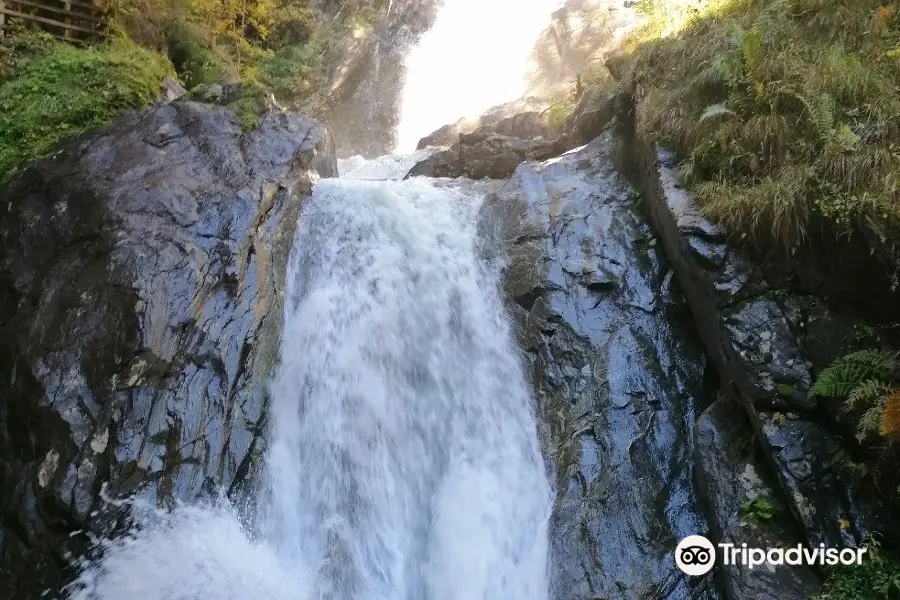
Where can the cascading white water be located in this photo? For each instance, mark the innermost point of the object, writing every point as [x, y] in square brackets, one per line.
[403, 462]
[476, 56]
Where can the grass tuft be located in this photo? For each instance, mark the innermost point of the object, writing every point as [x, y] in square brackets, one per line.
[780, 110]
[55, 91]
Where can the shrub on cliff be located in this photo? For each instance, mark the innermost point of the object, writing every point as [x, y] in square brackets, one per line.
[54, 91]
[277, 48]
[878, 578]
[784, 112]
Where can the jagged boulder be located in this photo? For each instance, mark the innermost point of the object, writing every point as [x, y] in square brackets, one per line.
[484, 154]
[142, 273]
[448, 135]
[590, 117]
[523, 119]
[444, 163]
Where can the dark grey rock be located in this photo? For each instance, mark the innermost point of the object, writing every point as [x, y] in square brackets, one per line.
[142, 272]
[522, 119]
[526, 126]
[590, 118]
[486, 156]
[444, 163]
[769, 354]
[730, 474]
[820, 479]
[212, 93]
[448, 135]
[172, 90]
[496, 156]
[616, 376]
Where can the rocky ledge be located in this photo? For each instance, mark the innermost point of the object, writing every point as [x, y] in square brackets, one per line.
[141, 272]
[766, 342]
[495, 148]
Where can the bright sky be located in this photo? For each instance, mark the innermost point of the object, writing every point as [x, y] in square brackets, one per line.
[475, 57]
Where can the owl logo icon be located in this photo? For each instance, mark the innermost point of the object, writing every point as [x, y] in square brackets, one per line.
[695, 555]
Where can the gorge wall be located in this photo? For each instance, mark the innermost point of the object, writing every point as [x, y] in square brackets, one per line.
[143, 276]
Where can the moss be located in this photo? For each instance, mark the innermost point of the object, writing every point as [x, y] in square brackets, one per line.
[247, 109]
[785, 390]
[64, 90]
[781, 111]
[20, 46]
[558, 113]
[291, 75]
[878, 578]
[190, 50]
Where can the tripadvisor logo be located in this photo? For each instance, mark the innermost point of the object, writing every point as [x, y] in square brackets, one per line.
[696, 555]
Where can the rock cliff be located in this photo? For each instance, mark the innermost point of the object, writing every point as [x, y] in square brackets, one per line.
[142, 271]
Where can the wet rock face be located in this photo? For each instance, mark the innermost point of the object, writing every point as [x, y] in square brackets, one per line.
[142, 271]
[590, 117]
[732, 476]
[516, 119]
[755, 335]
[492, 147]
[486, 155]
[616, 375]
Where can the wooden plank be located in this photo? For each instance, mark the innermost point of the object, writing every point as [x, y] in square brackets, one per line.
[76, 41]
[61, 11]
[27, 17]
[88, 16]
[96, 9]
[85, 5]
[69, 19]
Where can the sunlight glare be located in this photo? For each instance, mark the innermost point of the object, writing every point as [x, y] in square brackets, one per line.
[475, 57]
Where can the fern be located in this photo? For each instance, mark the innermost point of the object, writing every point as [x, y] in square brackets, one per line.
[715, 110]
[823, 114]
[751, 43]
[867, 393]
[870, 422]
[846, 373]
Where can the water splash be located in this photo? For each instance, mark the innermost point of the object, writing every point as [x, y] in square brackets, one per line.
[475, 57]
[392, 166]
[403, 462]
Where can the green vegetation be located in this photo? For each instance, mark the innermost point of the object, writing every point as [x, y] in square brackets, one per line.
[783, 112]
[270, 49]
[594, 77]
[866, 381]
[51, 91]
[878, 578]
[758, 510]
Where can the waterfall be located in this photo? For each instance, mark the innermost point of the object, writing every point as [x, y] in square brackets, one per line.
[402, 462]
[476, 56]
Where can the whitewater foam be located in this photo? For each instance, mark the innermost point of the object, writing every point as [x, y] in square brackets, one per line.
[403, 461]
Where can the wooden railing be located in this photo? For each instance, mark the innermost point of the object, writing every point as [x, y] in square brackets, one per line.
[76, 21]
